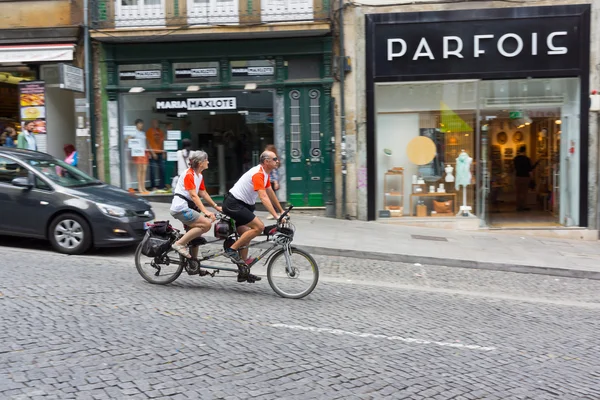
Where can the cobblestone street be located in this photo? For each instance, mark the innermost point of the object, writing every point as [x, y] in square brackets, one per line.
[89, 327]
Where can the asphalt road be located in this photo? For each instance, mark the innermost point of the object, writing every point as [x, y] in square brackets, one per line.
[89, 327]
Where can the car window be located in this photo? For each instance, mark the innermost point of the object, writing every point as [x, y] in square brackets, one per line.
[62, 173]
[10, 170]
[40, 184]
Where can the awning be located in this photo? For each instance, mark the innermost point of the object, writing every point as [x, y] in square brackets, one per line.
[36, 53]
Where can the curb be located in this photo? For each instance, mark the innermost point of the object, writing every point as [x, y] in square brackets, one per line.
[456, 263]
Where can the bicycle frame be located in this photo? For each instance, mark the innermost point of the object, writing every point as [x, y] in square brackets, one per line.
[285, 247]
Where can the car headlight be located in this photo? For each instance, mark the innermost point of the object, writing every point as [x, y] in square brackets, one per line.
[112, 211]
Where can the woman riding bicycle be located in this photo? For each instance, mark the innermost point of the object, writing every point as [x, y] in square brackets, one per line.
[187, 206]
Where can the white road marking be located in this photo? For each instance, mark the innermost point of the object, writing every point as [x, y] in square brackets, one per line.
[375, 336]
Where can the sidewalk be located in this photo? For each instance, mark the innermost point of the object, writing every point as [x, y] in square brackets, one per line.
[466, 249]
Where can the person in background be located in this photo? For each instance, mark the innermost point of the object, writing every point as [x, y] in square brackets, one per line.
[72, 157]
[183, 157]
[523, 177]
[26, 139]
[274, 175]
[3, 138]
[11, 137]
[155, 138]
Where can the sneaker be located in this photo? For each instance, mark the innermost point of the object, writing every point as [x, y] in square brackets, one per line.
[253, 278]
[234, 256]
[243, 273]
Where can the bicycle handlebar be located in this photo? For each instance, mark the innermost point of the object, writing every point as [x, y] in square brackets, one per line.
[285, 213]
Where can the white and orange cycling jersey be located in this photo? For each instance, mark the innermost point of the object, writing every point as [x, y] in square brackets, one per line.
[190, 181]
[247, 187]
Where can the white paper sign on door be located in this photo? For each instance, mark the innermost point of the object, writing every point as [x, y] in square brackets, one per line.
[170, 144]
[172, 156]
[138, 152]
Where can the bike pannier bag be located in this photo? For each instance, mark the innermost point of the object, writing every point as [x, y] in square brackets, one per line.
[154, 246]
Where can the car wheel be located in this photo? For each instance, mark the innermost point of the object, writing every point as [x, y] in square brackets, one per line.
[70, 234]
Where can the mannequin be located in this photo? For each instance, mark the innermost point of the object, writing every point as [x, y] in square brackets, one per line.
[449, 176]
[463, 178]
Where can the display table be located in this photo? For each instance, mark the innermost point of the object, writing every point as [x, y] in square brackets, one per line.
[433, 196]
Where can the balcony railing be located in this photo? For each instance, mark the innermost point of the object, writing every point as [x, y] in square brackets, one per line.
[109, 14]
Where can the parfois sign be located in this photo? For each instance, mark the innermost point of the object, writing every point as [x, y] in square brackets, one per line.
[476, 42]
[197, 104]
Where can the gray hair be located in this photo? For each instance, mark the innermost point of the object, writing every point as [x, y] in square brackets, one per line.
[197, 157]
[265, 156]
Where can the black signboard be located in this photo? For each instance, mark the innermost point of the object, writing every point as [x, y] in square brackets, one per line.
[475, 42]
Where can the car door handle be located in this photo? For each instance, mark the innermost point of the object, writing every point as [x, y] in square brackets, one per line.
[44, 203]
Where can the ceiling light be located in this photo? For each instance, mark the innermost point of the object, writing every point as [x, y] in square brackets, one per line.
[193, 88]
[558, 122]
[136, 90]
[250, 86]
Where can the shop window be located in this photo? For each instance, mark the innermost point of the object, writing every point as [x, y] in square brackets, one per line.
[198, 72]
[140, 74]
[304, 68]
[252, 70]
[422, 129]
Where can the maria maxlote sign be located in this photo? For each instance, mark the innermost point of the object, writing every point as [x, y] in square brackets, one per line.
[475, 41]
[196, 104]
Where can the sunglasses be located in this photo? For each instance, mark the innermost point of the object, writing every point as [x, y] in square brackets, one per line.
[275, 159]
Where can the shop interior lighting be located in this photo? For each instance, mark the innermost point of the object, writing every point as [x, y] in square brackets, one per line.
[250, 86]
[193, 88]
[558, 122]
[136, 90]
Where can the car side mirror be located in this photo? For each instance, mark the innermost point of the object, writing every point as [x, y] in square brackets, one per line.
[23, 182]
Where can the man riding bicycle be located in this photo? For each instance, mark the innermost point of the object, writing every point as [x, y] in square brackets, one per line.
[239, 204]
[186, 205]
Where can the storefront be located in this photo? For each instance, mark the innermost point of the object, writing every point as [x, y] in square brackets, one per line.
[230, 99]
[39, 84]
[453, 97]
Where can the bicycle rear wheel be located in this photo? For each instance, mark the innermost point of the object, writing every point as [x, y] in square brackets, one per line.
[159, 270]
[297, 281]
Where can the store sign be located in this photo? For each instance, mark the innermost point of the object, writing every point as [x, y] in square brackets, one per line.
[196, 104]
[140, 75]
[71, 78]
[195, 73]
[32, 102]
[253, 71]
[499, 40]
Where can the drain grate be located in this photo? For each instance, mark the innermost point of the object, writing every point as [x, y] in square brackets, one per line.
[433, 238]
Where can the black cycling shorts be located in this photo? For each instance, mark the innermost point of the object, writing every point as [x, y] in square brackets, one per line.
[239, 211]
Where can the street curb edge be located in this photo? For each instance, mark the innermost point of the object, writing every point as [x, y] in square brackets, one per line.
[456, 263]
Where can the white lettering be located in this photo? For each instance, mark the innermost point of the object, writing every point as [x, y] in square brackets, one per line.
[534, 44]
[552, 47]
[391, 54]
[423, 45]
[501, 45]
[477, 51]
[455, 52]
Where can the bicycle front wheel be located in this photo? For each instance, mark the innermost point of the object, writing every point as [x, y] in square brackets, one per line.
[159, 270]
[298, 279]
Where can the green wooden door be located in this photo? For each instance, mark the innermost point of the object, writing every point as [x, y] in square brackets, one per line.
[305, 166]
